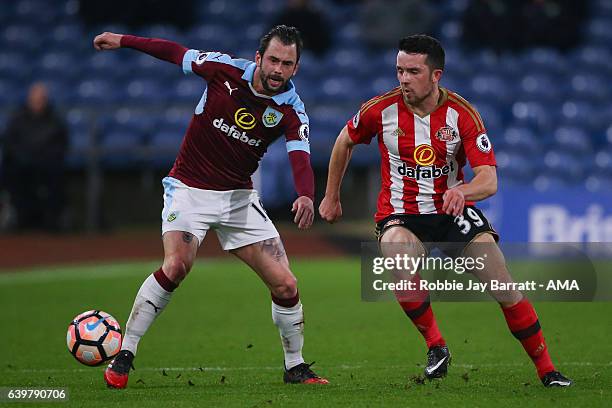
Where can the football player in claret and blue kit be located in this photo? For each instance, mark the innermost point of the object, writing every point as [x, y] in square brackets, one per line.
[244, 108]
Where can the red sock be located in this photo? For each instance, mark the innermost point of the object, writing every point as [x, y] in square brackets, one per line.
[525, 326]
[417, 307]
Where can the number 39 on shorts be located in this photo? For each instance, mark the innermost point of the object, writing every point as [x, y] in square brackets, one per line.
[465, 223]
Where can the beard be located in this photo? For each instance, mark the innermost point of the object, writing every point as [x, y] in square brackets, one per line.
[266, 85]
[415, 99]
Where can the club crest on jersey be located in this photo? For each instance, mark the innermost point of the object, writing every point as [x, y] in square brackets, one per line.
[483, 143]
[271, 117]
[446, 134]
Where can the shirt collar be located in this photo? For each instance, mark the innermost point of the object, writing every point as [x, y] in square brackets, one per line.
[281, 98]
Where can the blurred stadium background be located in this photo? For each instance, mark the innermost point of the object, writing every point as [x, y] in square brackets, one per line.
[546, 102]
[539, 71]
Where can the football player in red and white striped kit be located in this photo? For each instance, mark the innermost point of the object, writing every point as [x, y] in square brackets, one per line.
[425, 135]
[245, 107]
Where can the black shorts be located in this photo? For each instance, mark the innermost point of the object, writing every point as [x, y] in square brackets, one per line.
[442, 229]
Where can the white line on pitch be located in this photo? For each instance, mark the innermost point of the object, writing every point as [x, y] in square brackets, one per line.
[340, 367]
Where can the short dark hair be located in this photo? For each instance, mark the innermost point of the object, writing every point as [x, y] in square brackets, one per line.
[287, 35]
[424, 44]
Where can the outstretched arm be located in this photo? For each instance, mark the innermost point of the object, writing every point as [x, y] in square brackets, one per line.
[162, 49]
[330, 208]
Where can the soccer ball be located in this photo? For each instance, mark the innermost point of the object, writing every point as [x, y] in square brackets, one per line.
[94, 337]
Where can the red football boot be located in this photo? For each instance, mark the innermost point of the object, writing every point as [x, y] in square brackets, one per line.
[302, 374]
[116, 374]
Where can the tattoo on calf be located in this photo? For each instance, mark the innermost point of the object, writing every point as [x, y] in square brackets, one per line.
[274, 247]
[187, 237]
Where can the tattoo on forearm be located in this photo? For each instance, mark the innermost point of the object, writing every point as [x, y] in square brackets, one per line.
[187, 237]
[274, 247]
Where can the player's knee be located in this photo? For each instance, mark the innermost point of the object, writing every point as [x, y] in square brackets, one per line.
[397, 235]
[286, 289]
[485, 237]
[176, 268]
[410, 244]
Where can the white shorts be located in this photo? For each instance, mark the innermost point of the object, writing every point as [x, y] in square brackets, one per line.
[237, 215]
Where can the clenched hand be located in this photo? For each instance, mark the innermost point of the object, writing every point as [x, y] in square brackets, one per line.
[107, 41]
[330, 209]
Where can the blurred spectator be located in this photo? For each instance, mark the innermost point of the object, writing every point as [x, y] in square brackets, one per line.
[384, 21]
[503, 25]
[311, 22]
[34, 148]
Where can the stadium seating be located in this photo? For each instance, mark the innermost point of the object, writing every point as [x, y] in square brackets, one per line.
[603, 163]
[598, 183]
[14, 65]
[99, 92]
[164, 145]
[544, 60]
[491, 114]
[519, 140]
[61, 64]
[559, 163]
[587, 86]
[595, 58]
[22, 37]
[534, 114]
[187, 90]
[574, 140]
[122, 148]
[11, 93]
[491, 87]
[539, 105]
[538, 86]
[599, 31]
[577, 113]
[550, 182]
[514, 167]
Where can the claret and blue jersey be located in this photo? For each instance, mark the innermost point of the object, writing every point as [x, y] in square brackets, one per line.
[233, 124]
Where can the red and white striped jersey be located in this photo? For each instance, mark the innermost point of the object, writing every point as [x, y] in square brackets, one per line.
[421, 157]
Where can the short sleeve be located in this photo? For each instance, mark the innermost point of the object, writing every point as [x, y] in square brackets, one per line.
[476, 143]
[362, 127]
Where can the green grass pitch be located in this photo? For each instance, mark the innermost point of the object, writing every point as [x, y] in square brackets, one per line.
[215, 344]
